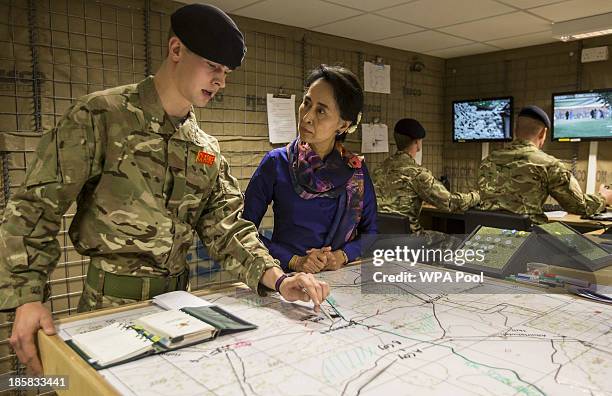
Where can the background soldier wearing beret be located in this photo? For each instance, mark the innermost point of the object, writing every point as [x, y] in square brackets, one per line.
[145, 177]
[402, 185]
[519, 178]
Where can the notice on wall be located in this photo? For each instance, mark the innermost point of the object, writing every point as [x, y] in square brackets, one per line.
[374, 138]
[377, 78]
[282, 127]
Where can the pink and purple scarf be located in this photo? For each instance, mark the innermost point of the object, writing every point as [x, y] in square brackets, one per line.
[339, 175]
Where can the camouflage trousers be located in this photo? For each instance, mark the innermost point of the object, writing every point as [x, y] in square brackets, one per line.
[91, 300]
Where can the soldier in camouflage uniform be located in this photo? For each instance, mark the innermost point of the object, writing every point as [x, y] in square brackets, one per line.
[145, 177]
[519, 178]
[402, 185]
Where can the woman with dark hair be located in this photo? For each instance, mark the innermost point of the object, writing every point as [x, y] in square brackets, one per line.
[323, 198]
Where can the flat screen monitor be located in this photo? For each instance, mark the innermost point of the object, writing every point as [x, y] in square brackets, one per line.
[582, 115]
[482, 120]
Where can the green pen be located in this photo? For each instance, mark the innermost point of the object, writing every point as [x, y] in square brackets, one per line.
[332, 303]
[320, 307]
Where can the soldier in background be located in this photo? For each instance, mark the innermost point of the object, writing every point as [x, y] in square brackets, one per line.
[145, 177]
[402, 185]
[519, 178]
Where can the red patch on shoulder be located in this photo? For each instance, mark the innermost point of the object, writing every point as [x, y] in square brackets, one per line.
[205, 158]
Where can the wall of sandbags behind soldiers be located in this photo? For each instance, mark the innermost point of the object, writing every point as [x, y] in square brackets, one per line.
[52, 51]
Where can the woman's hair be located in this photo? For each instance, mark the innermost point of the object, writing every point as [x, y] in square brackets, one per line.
[347, 90]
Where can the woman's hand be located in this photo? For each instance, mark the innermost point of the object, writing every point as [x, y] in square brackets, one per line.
[314, 261]
[337, 259]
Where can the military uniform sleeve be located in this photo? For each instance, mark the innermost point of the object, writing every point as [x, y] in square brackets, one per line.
[564, 187]
[229, 238]
[28, 245]
[432, 191]
[485, 174]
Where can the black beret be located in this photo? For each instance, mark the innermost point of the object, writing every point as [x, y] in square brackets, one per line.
[410, 127]
[536, 113]
[209, 32]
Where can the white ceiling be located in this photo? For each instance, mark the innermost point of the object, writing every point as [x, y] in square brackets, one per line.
[443, 28]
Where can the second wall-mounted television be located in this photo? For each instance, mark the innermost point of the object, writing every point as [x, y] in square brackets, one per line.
[483, 120]
[582, 115]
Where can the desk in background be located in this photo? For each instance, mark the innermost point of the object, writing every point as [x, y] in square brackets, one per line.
[582, 225]
[436, 219]
[433, 218]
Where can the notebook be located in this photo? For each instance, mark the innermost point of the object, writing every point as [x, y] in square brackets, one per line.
[155, 333]
[111, 344]
[179, 299]
[175, 327]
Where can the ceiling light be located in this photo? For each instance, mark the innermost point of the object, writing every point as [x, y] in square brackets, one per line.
[582, 28]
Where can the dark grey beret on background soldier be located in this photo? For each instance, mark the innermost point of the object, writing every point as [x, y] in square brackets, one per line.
[519, 177]
[402, 185]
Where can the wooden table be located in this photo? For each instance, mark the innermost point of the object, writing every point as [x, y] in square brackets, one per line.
[59, 359]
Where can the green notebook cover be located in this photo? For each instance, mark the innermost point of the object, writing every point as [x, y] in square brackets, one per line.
[223, 321]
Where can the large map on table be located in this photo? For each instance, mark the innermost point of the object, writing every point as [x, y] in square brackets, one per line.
[502, 341]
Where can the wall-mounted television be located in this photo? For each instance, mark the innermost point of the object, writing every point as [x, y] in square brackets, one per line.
[582, 115]
[483, 120]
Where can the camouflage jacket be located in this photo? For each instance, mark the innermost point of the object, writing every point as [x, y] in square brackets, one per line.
[142, 187]
[520, 177]
[402, 185]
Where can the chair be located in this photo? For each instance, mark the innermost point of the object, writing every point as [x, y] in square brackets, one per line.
[497, 219]
[389, 223]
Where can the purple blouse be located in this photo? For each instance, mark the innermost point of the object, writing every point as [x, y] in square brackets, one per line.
[299, 224]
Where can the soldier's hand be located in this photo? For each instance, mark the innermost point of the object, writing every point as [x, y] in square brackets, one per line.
[28, 319]
[304, 287]
[606, 193]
